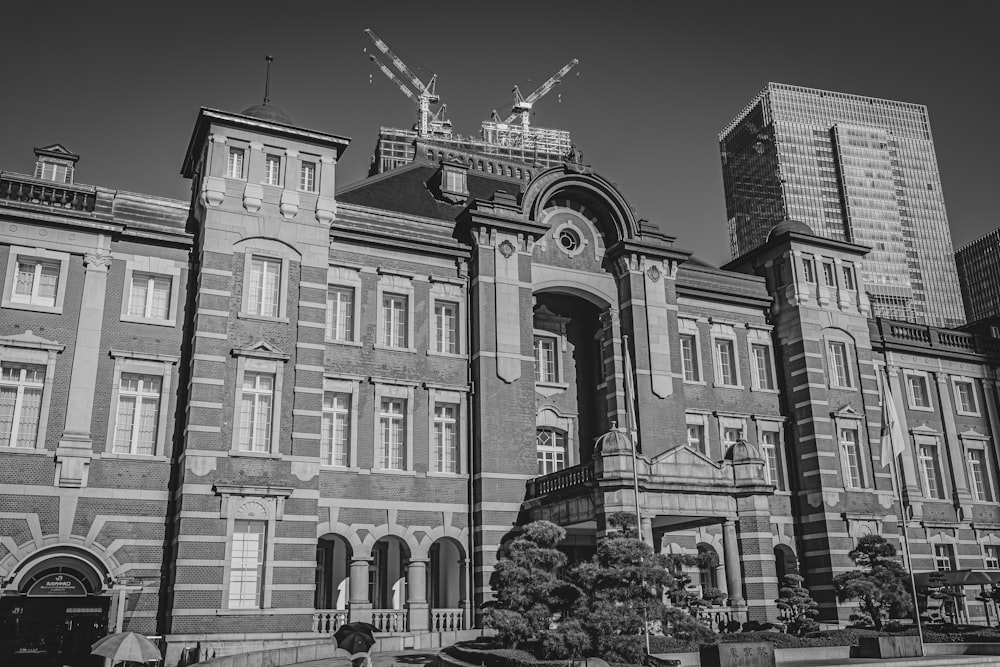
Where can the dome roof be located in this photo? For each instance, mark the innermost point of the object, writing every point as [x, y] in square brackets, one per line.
[741, 450]
[268, 112]
[614, 440]
[789, 226]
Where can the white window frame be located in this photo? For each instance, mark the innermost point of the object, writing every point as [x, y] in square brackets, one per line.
[849, 276]
[242, 152]
[730, 422]
[27, 348]
[346, 278]
[955, 382]
[699, 419]
[834, 381]
[253, 504]
[272, 250]
[22, 386]
[910, 397]
[760, 337]
[405, 393]
[349, 386]
[950, 556]
[809, 262]
[395, 284]
[453, 292]
[18, 254]
[725, 332]
[552, 449]
[266, 360]
[270, 157]
[972, 441]
[556, 342]
[689, 327]
[160, 365]
[456, 396]
[157, 268]
[934, 443]
[774, 426]
[827, 275]
[304, 163]
[854, 426]
[991, 562]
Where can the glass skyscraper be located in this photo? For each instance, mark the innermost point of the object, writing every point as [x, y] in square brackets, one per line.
[853, 168]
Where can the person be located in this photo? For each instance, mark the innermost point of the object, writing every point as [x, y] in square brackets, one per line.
[364, 661]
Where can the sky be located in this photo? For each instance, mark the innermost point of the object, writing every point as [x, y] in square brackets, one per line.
[120, 83]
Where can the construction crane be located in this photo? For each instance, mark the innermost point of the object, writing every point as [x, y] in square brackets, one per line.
[425, 93]
[522, 105]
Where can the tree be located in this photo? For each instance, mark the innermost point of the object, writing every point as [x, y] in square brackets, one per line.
[800, 608]
[879, 584]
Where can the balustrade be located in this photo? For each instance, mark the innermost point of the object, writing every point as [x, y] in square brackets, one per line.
[326, 621]
[718, 618]
[560, 479]
[390, 620]
[447, 620]
[24, 189]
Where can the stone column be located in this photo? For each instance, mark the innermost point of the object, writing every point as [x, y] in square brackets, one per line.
[359, 604]
[961, 495]
[647, 530]
[465, 600]
[731, 547]
[76, 446]
[416, 585]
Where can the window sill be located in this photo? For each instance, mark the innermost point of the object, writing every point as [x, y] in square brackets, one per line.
[254, 455]
[917, 407]
[134, 457]
[842, 387]
[448, 475]
[550, 388]
[967, 414]
[701, 383]
[388, 348]
[328, 467]
[719, 385]
[263, 318]
[35, 307]
[764, 391]
[389, 471]
[446, 355]
[256, 611]
[147, 320]
[349, 343]
[30, 451]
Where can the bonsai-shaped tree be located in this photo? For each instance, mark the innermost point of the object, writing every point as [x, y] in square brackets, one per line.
[526, 586]
[879, 583]
[794, 599]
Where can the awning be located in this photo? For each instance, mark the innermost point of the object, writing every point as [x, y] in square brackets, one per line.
[956, 578]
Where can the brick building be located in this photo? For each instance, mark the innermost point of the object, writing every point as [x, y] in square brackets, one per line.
[242, 420]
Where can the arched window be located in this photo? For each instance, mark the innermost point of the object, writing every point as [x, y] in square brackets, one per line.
[551, 448]
[706, 568]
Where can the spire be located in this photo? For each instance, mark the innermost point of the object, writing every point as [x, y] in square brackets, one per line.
[268, 111]
[267, 80]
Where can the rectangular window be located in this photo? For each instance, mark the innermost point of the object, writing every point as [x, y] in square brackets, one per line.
[991, 558]
[246, 571]
[930, 468]
[340, 314]
[731, 435]
[848, 273]
[138, 414]
[336, 429]
[696, 438]
[446, 327]
[446, 437]
[944, 557]
[55, 172]
[829, 275]
[36, 282]
[762, 366]
[551, 450]
[840, 369]
[772, 468]
[545, 360]
[265, 281]
[272, 170]
[256, 407]
[234, 168]
[394, 307]
[149, 296]
[851, 456]
[919, 393]
[392, 424]
[808, 270]
[965, 398]
[307, 177]
[980, 475]
[725, 362]
[20, 404]
[689, 357]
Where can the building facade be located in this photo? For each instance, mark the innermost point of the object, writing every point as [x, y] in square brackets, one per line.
[853, 168]
[978, 265]
[240, 421]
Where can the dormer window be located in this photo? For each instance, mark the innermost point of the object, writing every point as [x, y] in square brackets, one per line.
[55, 163]
[58, 173]
[454, 181]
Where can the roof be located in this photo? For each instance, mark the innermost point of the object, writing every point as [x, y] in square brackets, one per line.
[268, 112]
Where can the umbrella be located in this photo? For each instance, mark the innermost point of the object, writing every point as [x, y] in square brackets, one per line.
[356, 639]
[126, 646]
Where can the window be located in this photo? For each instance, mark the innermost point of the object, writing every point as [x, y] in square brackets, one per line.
[930, 469]
[272, 170]
[697, 433]
[234, 168]
[850, 454]
[991, 553]
[848, 273]
[336, 429]
[965, 398]
[138, 414]
[256, 405]
[445, 437]
[829, 274]
[265, 278]
[36, 282]
[995, 331]
[917, 391]
[392, 427]
[808, 270]
[725, 362]
[55, 172]
[149, 296]
[772, 466]
[340, 314]
[979, 473]
[840, 369]
[551, 448]
[546, 368]
[446, 327]
[21, 388]
[944, 557]
[307, 176]
[689, 357]
[763, 375]
[246, 573]
[394, 318]
[731, 435]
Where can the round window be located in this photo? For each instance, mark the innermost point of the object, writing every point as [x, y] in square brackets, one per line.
[569, 240]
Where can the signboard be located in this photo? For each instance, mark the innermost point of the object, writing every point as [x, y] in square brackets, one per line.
[57, 584]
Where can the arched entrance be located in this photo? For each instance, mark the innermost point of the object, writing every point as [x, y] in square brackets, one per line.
[447, 585]
[333, 582]
[57, 613]
[387, 584]
[785, 562]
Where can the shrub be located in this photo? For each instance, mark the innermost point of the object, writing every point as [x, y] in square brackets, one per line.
[568, 640]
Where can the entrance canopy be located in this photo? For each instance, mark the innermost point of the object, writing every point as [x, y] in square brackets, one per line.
[956, 578]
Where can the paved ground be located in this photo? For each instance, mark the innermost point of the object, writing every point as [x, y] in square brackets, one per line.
[411, 658]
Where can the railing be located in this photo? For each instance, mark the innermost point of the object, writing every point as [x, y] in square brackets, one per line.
[447, 620]
[390, 620]
[940, 339]
[326, 621]
[560, 479]
[720, 617]
[27, 190]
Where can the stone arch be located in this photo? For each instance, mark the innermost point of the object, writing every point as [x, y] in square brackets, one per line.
[460, 535]
[267, 244]
[89, 563]
[592, 288]
[785, 561]
[404, 535]
[349, 533]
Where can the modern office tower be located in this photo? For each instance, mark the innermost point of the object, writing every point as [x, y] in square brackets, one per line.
[979, 274]
[855, 169]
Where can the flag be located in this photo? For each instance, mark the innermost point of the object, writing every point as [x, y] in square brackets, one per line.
[629, 393]
[893, 442]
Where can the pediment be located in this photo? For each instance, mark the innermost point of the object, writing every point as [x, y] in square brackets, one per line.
[924, 429]
[683, 455]
[972, 434]
[847, 412]
[56, 148]
[30, 340]
[262, 349]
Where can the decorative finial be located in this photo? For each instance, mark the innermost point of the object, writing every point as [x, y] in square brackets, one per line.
[267, 81]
